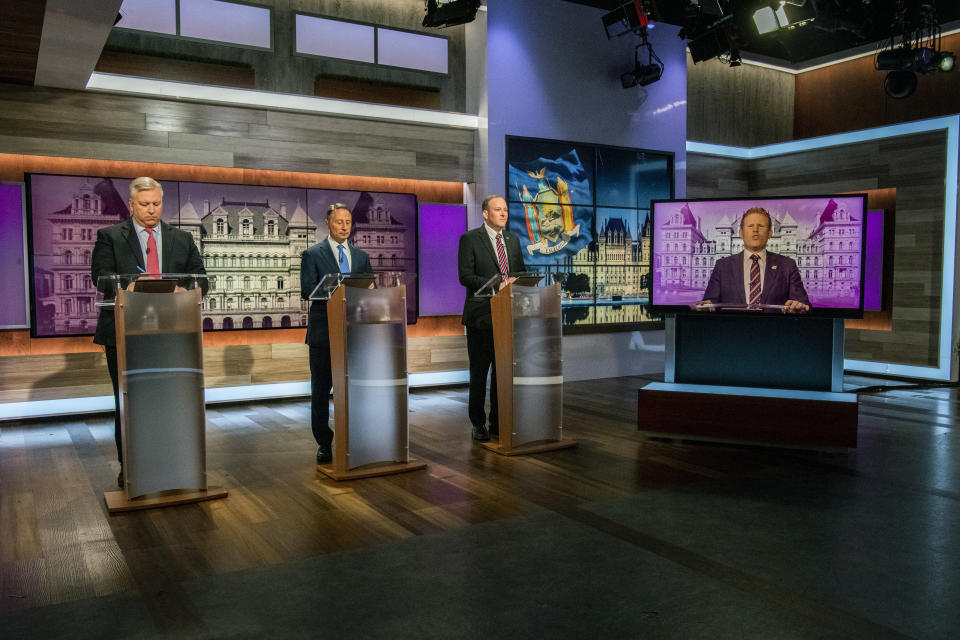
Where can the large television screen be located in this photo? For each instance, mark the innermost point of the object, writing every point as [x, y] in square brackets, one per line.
[250, 237]
[814, 254]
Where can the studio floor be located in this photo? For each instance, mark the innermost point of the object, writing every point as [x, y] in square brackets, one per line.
[620, 537]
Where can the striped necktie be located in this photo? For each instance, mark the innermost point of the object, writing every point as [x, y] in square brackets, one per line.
[755, 279]
[501, 255]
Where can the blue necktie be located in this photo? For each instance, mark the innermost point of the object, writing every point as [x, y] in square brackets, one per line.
[344, 264]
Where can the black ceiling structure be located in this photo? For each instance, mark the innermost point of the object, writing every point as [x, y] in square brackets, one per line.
[841, 27]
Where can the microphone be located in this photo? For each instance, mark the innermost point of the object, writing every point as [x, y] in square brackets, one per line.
[148, 250]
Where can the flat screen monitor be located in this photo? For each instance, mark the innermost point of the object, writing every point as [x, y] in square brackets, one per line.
[814, 252]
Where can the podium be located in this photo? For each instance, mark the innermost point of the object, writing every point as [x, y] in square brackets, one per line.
[528, 336]
[367, 320]
[160, 367]
[752, 378]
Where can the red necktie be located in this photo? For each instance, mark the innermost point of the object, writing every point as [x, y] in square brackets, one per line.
[755, 279]
[153, 257]
[501, 255]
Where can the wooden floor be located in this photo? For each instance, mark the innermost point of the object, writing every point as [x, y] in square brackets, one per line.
[58, 544]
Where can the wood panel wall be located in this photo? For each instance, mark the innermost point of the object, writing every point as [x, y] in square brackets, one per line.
[745, 106]
[143, 66]
[80, 124]
[913, 167]
[850, 96]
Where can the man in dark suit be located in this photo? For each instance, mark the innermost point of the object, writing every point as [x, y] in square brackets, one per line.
[756, 276]
[485, 252]
[332, 255]
[141, 243]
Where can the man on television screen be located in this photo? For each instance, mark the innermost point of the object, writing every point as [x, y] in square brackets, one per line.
[756, 277]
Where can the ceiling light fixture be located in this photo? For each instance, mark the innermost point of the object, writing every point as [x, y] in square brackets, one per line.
[783, 14]
[914, 47]
[451, 13]
[643, 74]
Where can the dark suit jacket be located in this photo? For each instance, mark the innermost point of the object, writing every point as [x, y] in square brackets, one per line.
[316, 262]
[781, 281]
[117, 251]
[477, 263]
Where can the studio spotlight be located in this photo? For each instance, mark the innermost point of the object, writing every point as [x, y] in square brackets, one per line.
[900, 84]
[448, 14]
[913, 47]
[716, 40]
[642, 73]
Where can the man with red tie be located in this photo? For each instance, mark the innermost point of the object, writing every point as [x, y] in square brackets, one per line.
[756, 276]
[485, 252]
[143, 243]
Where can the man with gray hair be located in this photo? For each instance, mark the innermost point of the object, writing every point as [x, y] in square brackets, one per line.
[331, 255]
[143, 243]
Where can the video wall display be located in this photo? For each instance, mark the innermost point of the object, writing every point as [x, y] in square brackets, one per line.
[815, 252]
[251, 239]
[583, 212]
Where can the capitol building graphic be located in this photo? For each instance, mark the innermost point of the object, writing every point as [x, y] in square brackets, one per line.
[251, 243]
[251, 251]
[613, 273]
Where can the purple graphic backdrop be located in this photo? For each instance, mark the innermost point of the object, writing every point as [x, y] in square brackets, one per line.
[13, 290]
[441, 226]
[822, 234]
[251, 238]
[873, 262]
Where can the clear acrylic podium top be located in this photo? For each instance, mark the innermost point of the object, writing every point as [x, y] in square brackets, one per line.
[107, 286]
[522, 279]
[380, 280]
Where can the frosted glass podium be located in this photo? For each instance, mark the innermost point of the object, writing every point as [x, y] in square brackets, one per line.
[528, 336]
[160, 369]
[367, 320]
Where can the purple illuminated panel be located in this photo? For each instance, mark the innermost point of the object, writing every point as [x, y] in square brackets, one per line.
[822, 234]
[441, 226]
[225, 22]
[159, 16]
[873, 262]
[411, 50]
[334, 39]
[13, 290]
